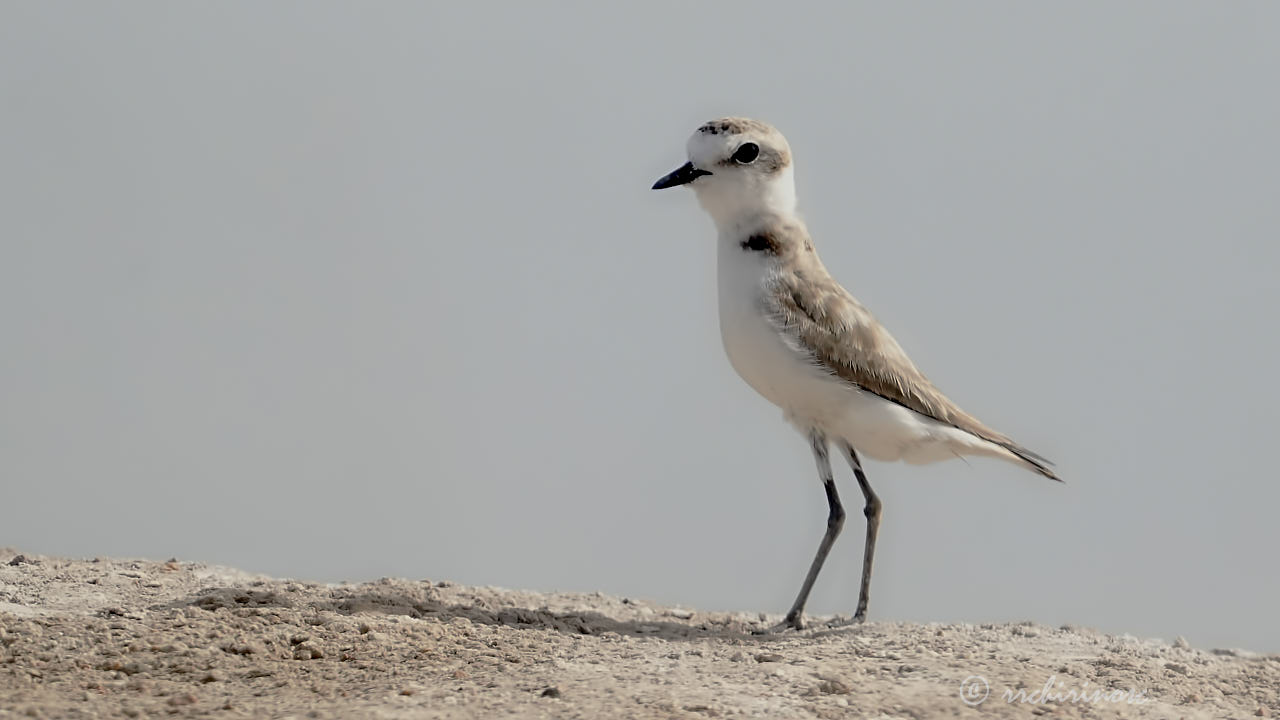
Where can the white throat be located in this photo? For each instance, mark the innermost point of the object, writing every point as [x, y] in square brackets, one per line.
[739, 207]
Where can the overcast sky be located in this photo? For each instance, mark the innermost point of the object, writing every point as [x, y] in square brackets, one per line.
[339, 291]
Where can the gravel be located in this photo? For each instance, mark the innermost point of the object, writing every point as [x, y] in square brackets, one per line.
[109, 638]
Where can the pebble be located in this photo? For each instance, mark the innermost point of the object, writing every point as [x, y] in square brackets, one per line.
[307, 652]
[551, 692]
[834, 687]
[768, 658]
[1181, 643]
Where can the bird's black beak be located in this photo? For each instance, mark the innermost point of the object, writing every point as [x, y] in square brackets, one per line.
[682, 175]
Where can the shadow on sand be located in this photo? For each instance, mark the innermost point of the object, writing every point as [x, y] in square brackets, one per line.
[423, 601]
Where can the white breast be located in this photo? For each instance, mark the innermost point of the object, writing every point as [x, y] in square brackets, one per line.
[783, 374]
[809, 396]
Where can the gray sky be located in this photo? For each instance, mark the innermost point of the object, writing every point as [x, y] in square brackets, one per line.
[344, 291]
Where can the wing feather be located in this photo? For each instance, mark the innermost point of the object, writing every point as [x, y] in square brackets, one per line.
[814, 313]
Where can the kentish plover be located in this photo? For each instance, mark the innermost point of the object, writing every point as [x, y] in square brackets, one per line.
[805, 344]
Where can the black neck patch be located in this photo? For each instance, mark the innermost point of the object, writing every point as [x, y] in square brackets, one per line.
[762, 242]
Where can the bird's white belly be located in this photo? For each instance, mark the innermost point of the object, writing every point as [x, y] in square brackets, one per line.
[809, 396]
[782, 375]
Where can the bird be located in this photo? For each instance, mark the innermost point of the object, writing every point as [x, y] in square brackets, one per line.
[805, 344]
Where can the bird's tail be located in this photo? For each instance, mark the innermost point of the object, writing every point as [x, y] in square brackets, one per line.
[1030, 460]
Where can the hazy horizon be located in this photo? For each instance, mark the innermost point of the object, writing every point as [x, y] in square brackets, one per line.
[340, 292]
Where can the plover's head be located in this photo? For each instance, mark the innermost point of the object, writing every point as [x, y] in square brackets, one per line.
[740, 169]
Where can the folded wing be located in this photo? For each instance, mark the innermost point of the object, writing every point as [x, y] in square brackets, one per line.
[820, 317]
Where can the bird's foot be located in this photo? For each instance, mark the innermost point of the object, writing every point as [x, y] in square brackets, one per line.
[840, 621]
[791, 623]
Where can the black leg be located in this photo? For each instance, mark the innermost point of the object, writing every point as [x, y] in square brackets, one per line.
[835, 521]
[872, 512]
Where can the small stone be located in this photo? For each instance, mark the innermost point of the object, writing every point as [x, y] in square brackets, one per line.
[1181, 643]
[834, 687]
[248, 648]
[184, 699]
[307, 652]
[680, 613]
[551, 692]
[1195, 698]
[407, 691]
[768, 657]
[1262, 711]
[17, 560]
[210, 677]
[460, 675]
[1176, 667]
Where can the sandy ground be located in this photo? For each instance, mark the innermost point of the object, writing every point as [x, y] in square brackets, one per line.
[132, 638]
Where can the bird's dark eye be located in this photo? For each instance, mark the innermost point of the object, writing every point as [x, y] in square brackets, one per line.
[746, 153]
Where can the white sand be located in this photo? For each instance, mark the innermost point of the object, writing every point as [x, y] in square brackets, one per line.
[121, 638]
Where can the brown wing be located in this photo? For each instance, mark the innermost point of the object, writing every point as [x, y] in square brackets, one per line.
[822, 318]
